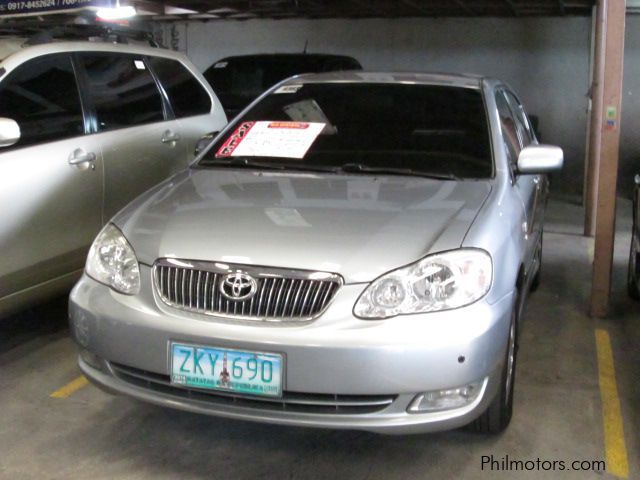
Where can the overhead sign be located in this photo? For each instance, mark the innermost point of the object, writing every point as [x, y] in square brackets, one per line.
[38, 7]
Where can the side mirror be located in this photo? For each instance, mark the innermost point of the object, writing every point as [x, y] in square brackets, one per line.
[204, 142]
[9, 132]
[540, 159]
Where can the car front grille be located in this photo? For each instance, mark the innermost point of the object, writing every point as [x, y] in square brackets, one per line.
[280, 295]
[318, 403]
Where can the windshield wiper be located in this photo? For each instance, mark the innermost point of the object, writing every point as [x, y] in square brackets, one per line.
[241, 162]
[247, 162]
[362, 168]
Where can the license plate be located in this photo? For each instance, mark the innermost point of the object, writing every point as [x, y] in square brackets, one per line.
[254, 373]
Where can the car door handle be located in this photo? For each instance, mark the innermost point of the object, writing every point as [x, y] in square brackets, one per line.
[79, 157]
[170, 137]
[537, 182]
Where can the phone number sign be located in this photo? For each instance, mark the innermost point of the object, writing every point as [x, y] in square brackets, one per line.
[26, 7]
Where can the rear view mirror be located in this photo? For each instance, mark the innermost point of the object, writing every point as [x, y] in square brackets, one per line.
[540, 159]
[9, 132]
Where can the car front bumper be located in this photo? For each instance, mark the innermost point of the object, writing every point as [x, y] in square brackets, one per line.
[125, 340]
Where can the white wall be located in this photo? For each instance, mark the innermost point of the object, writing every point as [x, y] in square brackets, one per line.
[546, 60]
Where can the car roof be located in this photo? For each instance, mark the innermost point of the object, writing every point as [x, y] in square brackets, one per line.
[23, 52]
[10, 45]
[450, 79]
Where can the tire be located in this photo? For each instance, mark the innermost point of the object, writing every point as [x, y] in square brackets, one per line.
[535, 283]
[497, 416]
[632, 274]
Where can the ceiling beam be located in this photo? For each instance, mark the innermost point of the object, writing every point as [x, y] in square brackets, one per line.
[387, 8]
[150, 8]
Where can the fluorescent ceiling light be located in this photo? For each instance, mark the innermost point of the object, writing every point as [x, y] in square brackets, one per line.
[116, 13]
[222, 10]
[203, 16]
[169, 10]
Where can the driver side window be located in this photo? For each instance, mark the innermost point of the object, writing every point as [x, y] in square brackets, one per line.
[522, 122]
[510, 131]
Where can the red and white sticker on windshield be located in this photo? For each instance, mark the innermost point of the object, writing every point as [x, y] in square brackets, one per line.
[271, 139]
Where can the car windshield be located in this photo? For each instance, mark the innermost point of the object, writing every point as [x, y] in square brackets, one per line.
[406, 129]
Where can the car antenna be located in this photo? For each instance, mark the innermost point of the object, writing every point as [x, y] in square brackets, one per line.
[306, 43]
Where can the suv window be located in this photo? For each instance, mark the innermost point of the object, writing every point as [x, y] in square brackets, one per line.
[238, 80]
[509, 128]
[186, 94]
[122, 90]
[42, 96]
[345, 63]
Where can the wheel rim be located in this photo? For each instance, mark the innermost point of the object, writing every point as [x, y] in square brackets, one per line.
[511, 359]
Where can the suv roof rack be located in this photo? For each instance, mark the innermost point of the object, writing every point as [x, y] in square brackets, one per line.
[39, 32]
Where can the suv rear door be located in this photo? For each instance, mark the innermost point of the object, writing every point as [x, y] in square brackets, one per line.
[140, 141]
[190, 102]
[50, 180]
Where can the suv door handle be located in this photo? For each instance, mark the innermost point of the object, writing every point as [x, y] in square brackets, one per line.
[79, 156]
[170, 137]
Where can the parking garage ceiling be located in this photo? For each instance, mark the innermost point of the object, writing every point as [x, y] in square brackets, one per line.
[246, 9]
[211, 10]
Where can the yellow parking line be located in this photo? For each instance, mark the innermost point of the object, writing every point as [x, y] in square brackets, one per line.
[615, 447]
[71, 387]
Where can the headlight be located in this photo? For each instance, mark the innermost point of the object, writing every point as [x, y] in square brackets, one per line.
[113, 262]
[437, 282]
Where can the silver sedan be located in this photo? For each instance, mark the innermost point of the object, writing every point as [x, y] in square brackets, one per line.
[353, 251]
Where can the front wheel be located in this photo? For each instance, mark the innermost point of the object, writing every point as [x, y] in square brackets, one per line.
[497, 417]
[632, 275]
[535, 283]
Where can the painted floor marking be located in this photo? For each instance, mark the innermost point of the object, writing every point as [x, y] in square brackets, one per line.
[71, 387]
[615, 447]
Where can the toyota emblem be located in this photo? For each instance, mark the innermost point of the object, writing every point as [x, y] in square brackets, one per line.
[238, 286]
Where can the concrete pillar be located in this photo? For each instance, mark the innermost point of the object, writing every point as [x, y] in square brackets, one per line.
[595, 137]
[613, 12]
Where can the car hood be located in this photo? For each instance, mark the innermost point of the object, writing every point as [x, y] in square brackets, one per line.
[359, 226]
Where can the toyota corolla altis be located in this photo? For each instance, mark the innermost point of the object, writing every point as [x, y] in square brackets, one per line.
[353, 251]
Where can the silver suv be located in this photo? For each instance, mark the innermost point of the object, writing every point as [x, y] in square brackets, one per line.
[353, 251]
[85, 127]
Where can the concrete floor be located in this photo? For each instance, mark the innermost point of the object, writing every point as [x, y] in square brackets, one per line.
[558, 412]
